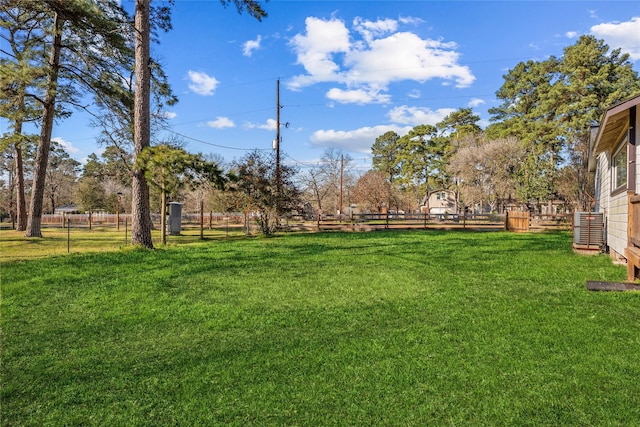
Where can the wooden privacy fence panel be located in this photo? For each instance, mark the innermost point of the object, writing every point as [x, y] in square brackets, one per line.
[518, 221]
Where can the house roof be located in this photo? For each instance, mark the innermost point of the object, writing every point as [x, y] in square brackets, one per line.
[70, 207]
[614, 122]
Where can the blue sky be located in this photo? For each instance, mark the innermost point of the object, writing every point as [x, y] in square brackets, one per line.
[351, 70]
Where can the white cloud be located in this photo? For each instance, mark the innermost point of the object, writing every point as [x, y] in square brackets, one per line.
[251, 45]
[413, 58]
[221, 123]
[373, 29]
[571, 34]
[166, 115]
[269, 125]
[201, 83]
[415, 94]
[418, 116]
[358, 96]
[372, 55]
[624, 35]
[68, 147]
[410, 20]
[476, 102]
[316, 48]
[358, 140]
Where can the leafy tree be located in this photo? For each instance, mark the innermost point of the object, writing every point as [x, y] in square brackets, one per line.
[459, 124]
[387, 158]
[529, 113]
[114, 164]
[90, 195]
[423, 156]
[170, 168]
[593, 78]
[550, 105]
[256, 180]
[62, 173]
[386, 153]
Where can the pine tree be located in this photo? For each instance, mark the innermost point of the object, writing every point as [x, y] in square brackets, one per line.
[21, 77]
[140, 209]
[89, 30]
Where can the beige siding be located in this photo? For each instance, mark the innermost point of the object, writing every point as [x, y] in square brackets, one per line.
[617, 222]
[441, 202]
[603, 184]
[614, 207]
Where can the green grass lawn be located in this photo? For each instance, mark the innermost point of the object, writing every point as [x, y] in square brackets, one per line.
[383, 328]
[60, 241]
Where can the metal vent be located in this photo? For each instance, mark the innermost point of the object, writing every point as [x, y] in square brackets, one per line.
[588, 228]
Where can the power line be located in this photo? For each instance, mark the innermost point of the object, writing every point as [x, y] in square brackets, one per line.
[211, 143]
[226, 115]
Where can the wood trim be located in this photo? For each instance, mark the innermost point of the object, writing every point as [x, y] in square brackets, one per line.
[633, 263]
[631, 169]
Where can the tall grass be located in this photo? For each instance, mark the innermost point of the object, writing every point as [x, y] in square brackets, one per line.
[384, 328]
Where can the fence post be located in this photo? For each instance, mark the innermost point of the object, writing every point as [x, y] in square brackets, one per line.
[506, 221]
[68, 235]
[201, 220]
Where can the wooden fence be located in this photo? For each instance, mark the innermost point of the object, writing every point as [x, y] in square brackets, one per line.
[517, 221]
[514, 221]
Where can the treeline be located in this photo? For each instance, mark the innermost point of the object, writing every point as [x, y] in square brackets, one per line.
[536, 149]
[59, 55]
[62, 55]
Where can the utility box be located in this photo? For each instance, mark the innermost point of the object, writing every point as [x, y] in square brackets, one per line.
[588, 232]
[175, 218]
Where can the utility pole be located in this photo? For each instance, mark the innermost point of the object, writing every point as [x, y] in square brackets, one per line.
[276, 147]
[341, 171]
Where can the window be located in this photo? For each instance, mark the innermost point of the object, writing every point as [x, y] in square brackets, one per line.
[619, 163]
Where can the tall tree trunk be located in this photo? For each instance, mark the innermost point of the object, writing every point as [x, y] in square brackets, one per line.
[141, 224]
[163, 216]
[21, 204]
[52, 199]
[34, 222]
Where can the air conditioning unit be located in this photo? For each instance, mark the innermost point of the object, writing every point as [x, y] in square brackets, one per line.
[588, 230]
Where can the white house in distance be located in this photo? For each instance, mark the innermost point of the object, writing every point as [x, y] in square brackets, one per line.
[614, 159]
[440, 202]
